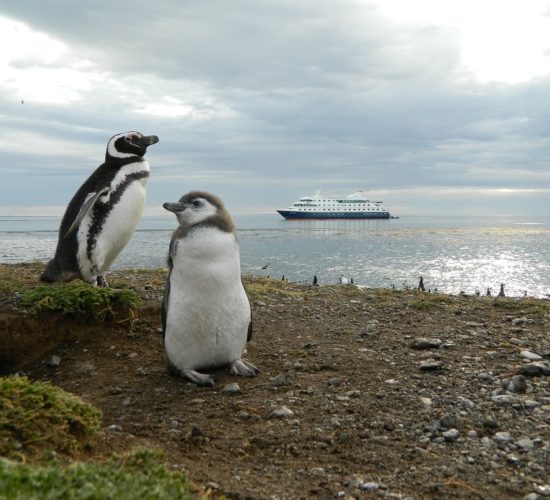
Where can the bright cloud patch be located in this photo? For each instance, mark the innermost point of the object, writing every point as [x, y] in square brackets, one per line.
[39, 68]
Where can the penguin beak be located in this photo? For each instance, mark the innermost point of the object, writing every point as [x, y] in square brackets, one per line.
[146, 140]
[174, 206]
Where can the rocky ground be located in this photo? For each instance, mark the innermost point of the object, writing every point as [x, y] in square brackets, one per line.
[362, 392]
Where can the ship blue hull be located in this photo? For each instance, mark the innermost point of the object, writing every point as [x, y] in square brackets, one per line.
[290, 214]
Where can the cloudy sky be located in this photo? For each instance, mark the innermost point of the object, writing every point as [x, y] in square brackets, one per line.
[433, 106]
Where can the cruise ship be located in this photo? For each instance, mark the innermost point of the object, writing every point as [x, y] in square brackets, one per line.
[353, 206]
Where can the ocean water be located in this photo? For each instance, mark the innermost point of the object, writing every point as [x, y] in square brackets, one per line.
[453, 254]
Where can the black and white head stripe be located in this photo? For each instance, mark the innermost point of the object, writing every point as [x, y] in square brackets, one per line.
[129, 144]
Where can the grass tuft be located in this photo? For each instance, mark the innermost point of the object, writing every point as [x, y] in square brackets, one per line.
[36, 417]
[79, 298]
[139, 474]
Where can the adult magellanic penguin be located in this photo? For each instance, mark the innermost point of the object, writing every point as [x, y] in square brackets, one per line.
[104, 213]
[206, 315]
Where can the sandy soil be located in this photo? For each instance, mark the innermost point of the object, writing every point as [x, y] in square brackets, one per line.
[362, 393]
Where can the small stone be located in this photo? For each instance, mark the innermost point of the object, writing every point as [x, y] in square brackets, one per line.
[426, 343]
[369, 486]
[521, 321]
[353, 393]
[430, 365]
[472, 434]
[517, 384]
[447, 421]
[54, 361]
[232, 388]
[531, 496]
[531, 355]
[280, 380]
[504, 399]
[196, 432]
[426, 401]
[451, 435]
[114, 428]
[116, 390]
[525, 444]
[534, 370]
[371, 327]
[335, 422]
[515, 341]
[282, 412]
[334, 382]
[503, 437]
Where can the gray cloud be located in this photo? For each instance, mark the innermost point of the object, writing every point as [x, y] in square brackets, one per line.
[277, 99]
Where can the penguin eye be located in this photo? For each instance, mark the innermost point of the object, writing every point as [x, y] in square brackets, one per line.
[196, 203]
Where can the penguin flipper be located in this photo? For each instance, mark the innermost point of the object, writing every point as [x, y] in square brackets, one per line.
[88, 204]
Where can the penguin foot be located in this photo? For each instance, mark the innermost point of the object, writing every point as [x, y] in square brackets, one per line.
[198, 378]
[243, 368]
[101, 281]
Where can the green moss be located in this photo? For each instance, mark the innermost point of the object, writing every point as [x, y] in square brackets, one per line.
[422, 305]
[37, 417]
[523, 306]
[137, 475]
[269, 287]
[79, 298]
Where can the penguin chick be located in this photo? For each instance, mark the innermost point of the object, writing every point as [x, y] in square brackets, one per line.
[103, 214]
[206, 314]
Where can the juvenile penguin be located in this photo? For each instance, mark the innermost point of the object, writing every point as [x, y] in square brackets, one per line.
[206, 315]
[103, 214]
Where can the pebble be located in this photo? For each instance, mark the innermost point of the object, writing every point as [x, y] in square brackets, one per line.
[517, 384]
[282, 412]
[232, 388]
[503, 437]
[280, 380]
[534, 370]
[531, 355]
[504, 399]
[114, 428]
[426, 343]
[54, 361]
[430, 365]
[369, 486]
[526, 444]
[334, 382]
[451, 435]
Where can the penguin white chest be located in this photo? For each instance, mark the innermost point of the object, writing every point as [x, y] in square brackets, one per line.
[120, 224]
[99, 246]
[208, 312]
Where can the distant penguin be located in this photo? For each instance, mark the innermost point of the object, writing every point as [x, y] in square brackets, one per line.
[421, 286]
[103, 214]
[315, 281]
[206, 313]
[501, 292]
[343, 280]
